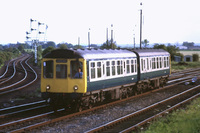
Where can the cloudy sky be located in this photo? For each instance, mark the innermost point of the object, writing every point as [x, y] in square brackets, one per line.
[164, 21]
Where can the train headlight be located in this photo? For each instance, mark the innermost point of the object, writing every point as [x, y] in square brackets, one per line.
[75, 87]
[48, 87]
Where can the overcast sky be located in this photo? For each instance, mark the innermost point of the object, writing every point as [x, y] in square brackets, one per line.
[165, 21]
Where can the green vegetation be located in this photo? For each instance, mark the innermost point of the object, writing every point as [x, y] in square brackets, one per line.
[195, 57]
[184, 65]
[109, 44]
[47, 50]
[8, 54]
[172, 49]
[180, 121]
[145, 43]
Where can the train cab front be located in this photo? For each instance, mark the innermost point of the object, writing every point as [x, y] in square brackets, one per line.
[63, 81]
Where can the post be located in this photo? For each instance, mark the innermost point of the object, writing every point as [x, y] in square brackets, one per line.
[134, 40]
[78, 41]
[35, 45]
[89, 38]
[107, 37]
[141, 26]
[112, 36]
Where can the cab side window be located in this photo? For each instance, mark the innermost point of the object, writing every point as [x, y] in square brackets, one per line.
[48, 69]
[76, 69]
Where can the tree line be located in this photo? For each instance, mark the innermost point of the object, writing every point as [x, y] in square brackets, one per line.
[7, 54]
[10, 51]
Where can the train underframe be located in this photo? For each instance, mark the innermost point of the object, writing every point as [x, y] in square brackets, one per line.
[78, 102]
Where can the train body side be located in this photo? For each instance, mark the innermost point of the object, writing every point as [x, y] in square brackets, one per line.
[117, 73]
[152, 63]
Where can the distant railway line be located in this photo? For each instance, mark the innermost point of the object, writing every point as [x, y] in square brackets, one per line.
[18, 75]
[48, 116]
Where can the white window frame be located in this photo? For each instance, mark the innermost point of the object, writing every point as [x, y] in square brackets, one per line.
[103, 64]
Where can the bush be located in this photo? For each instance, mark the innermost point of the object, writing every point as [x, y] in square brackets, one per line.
[8, 54]
[195, 57]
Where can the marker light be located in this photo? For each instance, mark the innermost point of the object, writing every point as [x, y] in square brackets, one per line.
[75, 87]
[48, 87]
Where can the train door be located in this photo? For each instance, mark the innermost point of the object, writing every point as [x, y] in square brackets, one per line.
[150, 64]
[61, 75]
[77, 74]
[144, 68]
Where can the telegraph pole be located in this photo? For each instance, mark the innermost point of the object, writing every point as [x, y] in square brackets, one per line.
[89, 38]
[112, 36]
[107, 37]
[141, 26]
[134, 40]
[134, 37]
[78, 41]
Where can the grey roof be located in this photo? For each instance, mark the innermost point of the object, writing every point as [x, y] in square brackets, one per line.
[151, 52]
[105, 54]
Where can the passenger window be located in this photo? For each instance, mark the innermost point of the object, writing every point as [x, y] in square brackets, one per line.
[157, 62]
[142, 64]
[61, 71]
[76, 69]
[113, 68]
[165, 65]
[132, 66]
[119, 68]
[98, 69]
[153, 63]
[127, 66]
[167, 61]
[92, 65]
[150, 64]
[160, 62]
[108, 68]
[48, 69]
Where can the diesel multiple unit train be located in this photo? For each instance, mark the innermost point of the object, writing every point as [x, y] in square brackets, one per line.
[81, 78]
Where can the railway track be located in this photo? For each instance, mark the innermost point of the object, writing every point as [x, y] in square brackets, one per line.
[136, 119]
[6, 70]
[22, 76]
[50, 117]
[10, 70]
[183, 73]
[8, 112]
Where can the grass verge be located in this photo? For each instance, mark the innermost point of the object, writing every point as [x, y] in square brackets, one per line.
[180, 121]
[184, 65]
